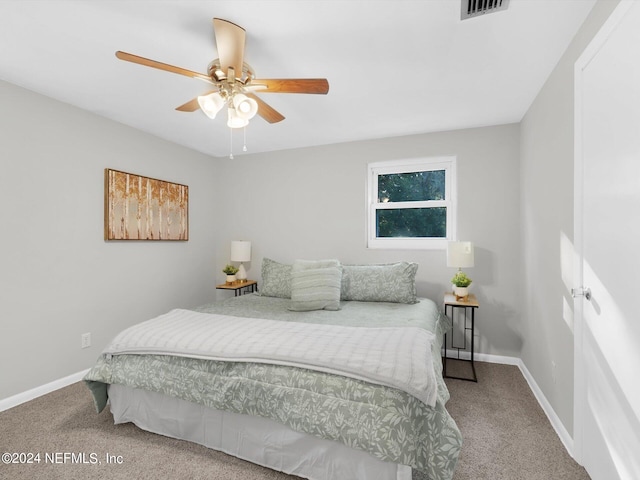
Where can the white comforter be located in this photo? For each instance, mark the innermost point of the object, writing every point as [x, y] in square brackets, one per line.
[391, 356]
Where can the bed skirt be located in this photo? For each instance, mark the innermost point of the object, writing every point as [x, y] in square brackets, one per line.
[255, 439]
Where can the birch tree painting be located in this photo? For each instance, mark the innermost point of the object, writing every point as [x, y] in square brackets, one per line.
[143, 208]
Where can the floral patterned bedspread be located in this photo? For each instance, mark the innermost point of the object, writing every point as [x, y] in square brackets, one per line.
[388, 423]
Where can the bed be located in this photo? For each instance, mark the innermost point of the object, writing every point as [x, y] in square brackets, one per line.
[309, 414]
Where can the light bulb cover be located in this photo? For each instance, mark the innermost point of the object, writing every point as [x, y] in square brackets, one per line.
[211, 104]
[234, 120]
[245, 107]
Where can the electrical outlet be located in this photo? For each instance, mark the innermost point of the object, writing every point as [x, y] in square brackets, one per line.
[85, 340]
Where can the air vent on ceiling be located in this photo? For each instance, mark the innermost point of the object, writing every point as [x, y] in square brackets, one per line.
[474, 8]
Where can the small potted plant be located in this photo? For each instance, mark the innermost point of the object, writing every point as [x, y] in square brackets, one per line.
[461, 283]
[231, 271]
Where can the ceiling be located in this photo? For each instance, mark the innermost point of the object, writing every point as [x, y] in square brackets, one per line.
[395, 67]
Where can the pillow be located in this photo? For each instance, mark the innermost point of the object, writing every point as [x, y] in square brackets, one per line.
[276, 279]
[394, 282]
[315, 285]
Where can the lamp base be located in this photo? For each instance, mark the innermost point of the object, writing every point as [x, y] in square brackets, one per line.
[241, 276]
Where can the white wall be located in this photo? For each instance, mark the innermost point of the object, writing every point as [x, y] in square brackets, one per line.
[547, 226]
[58, 277]
[310, 203]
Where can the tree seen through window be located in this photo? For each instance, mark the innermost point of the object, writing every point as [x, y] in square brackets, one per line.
[411, 222]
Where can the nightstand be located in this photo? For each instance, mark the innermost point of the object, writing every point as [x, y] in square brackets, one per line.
[239, 288]
[463, 306]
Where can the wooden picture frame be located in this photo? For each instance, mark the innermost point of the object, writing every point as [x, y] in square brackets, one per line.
[143, 208]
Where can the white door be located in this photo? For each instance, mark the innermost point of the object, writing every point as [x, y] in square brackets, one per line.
[607, 236]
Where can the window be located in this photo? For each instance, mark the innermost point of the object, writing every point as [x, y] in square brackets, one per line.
[411, 203]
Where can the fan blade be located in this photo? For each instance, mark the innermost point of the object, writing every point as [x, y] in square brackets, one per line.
[161, 66]
[266, 111]
[292, 85]
[230, 39]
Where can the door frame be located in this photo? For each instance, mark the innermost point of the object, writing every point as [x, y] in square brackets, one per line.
[579, 383]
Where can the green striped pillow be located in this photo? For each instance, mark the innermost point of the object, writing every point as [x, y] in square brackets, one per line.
[315, 285]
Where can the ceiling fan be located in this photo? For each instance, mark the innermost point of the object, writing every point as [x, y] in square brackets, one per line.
[234, 80]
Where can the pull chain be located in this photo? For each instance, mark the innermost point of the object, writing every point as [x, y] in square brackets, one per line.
[231, 144]
[244, 145]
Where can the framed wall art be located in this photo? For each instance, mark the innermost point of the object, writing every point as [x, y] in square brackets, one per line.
[143, 208]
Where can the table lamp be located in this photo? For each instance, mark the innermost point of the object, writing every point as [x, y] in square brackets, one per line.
[241, 252]
[459, 255]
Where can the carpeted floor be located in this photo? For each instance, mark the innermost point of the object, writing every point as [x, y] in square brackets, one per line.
[506, 434]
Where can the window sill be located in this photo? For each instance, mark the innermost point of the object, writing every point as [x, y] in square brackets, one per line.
[407, 243]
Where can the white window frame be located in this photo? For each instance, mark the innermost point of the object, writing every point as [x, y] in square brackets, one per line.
[448, 164]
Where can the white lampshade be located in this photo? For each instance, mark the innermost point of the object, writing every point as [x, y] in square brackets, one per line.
[245, 107]
[460, 254]
[234, 120]
[211, 104]
[240, 251]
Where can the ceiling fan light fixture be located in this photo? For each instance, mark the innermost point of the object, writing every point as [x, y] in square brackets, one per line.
[234, 120]
[211, 104]
[232, 79]
[244, 106]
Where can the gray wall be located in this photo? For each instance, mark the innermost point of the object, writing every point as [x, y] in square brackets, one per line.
[310, 203]
[58, 277]
[547, 226]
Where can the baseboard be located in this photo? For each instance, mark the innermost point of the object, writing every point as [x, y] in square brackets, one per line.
[484, 357]
[14, 401]
[557, 425]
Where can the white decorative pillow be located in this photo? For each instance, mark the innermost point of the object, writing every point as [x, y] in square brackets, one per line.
[315, 285]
